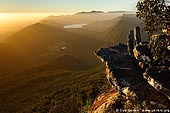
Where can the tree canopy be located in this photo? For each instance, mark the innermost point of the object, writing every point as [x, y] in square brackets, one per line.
[155, 14]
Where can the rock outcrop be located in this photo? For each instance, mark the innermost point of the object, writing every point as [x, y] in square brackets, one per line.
[159, 78]
[130, 90]
[156, 60]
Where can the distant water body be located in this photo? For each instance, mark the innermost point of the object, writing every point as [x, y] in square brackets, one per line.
[15, 21]
[74, 26]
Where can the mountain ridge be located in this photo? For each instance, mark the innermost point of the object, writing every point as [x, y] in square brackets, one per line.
[43, 48]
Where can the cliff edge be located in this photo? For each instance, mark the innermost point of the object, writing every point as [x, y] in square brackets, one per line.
[131, 90]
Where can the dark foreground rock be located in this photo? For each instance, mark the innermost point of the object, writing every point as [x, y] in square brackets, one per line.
[130, 91]
[159, 78]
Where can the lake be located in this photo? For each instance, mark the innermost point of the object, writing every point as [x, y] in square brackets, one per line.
[75, 26]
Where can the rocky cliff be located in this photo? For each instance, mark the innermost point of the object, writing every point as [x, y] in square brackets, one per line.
[133, 88]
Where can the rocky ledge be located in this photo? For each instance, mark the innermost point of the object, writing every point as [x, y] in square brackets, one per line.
[130, 91]
[159, 78]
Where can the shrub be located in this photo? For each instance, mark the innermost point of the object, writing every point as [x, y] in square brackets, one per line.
[156, 15]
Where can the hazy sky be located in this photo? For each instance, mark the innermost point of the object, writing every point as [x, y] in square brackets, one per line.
[10, 6]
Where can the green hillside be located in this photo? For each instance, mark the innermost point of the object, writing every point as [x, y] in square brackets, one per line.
[51, 91]
[65, 63]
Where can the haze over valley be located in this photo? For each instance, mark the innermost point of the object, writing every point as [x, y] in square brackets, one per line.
[49, 61]
[12, 22]
[84, 56]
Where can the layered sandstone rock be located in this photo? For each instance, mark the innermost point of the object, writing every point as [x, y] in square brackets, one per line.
[130, 91]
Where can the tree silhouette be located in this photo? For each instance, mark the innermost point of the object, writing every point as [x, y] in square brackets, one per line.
[155, 14]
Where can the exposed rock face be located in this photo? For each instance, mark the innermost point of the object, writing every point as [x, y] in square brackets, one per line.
[126, 77]
[137, 35]
[157, 72]
[134, 38]
[142, 53]
[159, 78]
[130, 42]
[105, 102]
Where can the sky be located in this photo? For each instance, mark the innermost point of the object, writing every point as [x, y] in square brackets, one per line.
[31, 6]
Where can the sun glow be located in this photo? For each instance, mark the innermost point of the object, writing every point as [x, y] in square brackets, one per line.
[15, 21]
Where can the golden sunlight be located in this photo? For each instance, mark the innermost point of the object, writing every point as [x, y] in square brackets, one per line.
[15, 21]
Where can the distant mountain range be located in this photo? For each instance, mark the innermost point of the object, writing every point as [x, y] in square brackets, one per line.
[91, 12]
[42, 42]
[124, 12]
[46, 65]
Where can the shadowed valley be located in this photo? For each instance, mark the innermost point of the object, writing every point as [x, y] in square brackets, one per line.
[47, 68]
